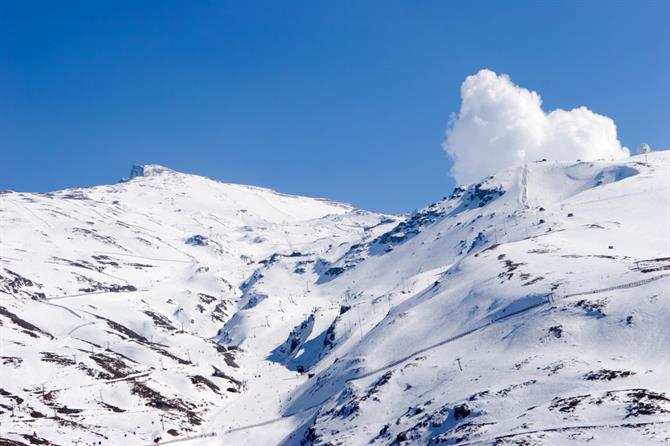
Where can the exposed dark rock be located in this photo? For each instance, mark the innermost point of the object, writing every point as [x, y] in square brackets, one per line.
[607, 375]
[29, 328]
[461, 411]
[197, 240]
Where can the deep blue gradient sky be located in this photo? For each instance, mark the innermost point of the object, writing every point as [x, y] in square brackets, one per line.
[346, 100]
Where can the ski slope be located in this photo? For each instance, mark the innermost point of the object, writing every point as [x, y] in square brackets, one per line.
[530, 308]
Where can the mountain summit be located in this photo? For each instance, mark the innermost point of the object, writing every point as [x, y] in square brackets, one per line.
[528, 308]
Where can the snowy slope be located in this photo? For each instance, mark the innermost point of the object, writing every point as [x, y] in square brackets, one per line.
[112, 297]
[554, 301]
[530, 308]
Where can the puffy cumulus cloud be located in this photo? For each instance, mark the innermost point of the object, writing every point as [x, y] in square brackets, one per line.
[501, 124]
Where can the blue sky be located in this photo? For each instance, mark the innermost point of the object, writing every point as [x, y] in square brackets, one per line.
[346, 100]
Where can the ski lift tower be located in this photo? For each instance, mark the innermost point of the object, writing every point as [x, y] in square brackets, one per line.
[643, 149]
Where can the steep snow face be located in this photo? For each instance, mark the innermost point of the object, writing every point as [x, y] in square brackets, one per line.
[530, 308]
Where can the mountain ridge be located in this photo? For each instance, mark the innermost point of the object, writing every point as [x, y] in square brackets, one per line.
[239, 314]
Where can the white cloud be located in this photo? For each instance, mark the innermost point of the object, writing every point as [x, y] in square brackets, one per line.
[501, 125]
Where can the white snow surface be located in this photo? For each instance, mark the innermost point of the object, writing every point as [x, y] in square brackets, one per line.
[531, 308]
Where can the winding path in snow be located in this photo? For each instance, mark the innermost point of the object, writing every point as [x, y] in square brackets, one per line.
[564, 428]
[524, 187]
[549, 300]
[92, 294]
[619, 287]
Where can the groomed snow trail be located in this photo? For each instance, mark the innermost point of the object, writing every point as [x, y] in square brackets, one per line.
[561, 429]
[550, 300]
[524, 186]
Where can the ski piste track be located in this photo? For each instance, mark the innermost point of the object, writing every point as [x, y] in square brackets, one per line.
[524, 187]
[562, 429]
[549, 300]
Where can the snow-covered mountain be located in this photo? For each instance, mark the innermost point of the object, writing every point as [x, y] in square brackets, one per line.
[531, 308]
